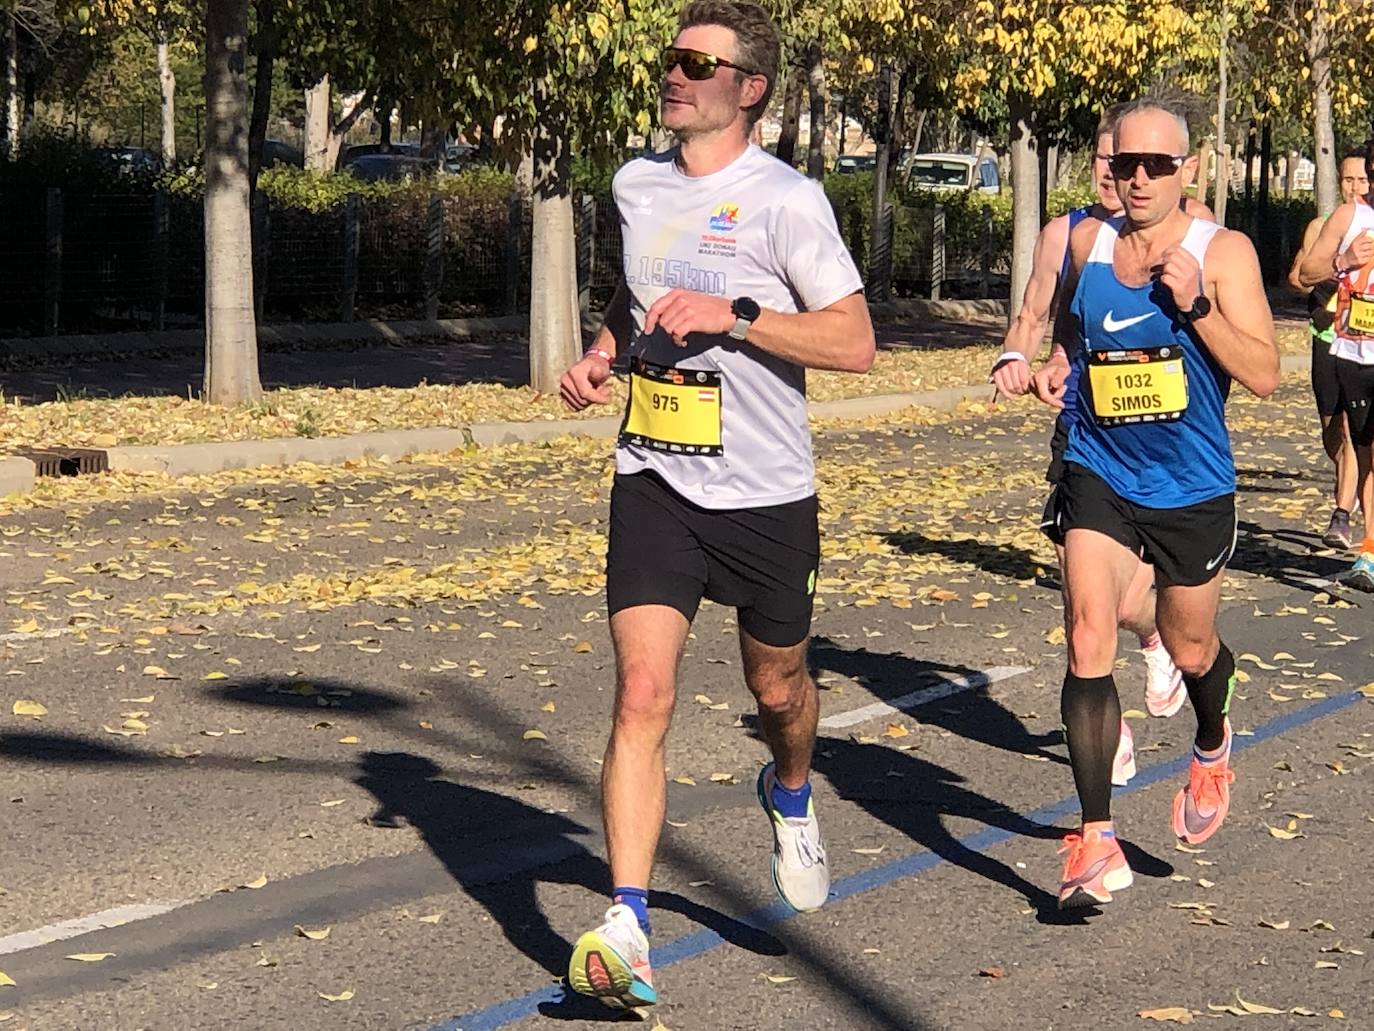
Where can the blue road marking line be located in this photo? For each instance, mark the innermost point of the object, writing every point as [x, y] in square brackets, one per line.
[502, 1014]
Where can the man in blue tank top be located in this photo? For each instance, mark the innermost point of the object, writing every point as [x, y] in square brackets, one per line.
[1166, 310]
[1164, 692]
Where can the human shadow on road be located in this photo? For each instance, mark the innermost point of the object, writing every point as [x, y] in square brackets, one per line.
[970, 714]
[998, 559]
[499, 850]
[1258, 554]
[916, 797]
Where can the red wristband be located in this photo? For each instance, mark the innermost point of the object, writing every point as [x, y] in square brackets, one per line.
[605, 356]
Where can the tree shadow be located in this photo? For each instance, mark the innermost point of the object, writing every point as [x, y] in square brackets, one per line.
[970, 714]
[1259, 552]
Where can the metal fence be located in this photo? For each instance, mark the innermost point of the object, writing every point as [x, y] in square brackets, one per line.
[84, 263]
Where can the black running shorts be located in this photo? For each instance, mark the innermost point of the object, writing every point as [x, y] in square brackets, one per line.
[1326, 386]
[664, 550]
[1058, 442]
[1357, 390]
[1187, 546]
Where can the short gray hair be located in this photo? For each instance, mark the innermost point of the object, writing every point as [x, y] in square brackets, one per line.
[1173, 110]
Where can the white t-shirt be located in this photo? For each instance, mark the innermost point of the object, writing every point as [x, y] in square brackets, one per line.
[758, 229]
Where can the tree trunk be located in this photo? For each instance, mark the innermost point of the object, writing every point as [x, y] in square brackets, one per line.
[384, 111]
[897, 127]
[791, 115]
[231, 344]
[1223, 178]
[815, 150]
[1290, 174]
[1204, 170]
[1025, 197]
[1323, 136]
[1042, 164]
[1250, 167]
[167, 88]
[317, 101]
[266, 47]
[555, 324]
[10, 59]
[918, 126]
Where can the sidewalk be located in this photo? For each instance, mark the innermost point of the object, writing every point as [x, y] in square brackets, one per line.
[500, 358]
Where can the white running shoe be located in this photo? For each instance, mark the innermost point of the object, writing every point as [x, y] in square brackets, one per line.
[1123, 766]
[800, 873]
[612, 963]
[1165, 691]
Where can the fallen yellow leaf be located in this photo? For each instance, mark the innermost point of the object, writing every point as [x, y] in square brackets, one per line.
[343, 996]
[582, 647]
[535, 735]
[314, 935]
[1171, 1014]
[259, 881]
[28, 707]
[350, 739]
[90, 957]
[5, 980]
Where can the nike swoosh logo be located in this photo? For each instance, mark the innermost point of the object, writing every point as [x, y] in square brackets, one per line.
[1218, 560]
[1195, 821]
[1087, 876]
[1111, 325]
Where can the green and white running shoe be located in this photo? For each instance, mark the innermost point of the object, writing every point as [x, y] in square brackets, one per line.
[612, 963]
[800, 873]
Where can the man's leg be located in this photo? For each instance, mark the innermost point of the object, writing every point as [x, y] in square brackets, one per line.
[648, 642]
[1187, 622]
[788, 709]
[1164, 693]
[788, 705]
[1336, 441]
[1098, 573]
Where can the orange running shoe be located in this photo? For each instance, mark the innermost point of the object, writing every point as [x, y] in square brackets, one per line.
[1202, 805]
[1095, 868]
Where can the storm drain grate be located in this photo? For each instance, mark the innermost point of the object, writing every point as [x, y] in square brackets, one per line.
[66, 461]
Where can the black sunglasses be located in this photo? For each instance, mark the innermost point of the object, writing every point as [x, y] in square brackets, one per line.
[697, 65]
[1157, 166]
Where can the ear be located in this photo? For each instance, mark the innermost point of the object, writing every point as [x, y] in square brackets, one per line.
[752, 90]
[1190, 170]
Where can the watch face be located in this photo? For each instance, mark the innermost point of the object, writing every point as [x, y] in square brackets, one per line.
[746, 308]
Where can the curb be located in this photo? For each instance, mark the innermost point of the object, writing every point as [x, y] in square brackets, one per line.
[17, 474]
[372, 333]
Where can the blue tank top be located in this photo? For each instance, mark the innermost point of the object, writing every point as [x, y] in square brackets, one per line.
[1153, 463]
[1076, 216]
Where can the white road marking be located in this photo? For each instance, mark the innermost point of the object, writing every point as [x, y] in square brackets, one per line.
[45, 635]
[116, 917]
[933, 693]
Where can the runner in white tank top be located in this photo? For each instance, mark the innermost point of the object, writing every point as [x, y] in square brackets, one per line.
[1345, 248]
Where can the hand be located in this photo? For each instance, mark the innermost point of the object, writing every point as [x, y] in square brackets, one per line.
[585, 383]
[1012, 376]
[1050, 381]
[1358, 254]
[680, 312]
[1182, 275]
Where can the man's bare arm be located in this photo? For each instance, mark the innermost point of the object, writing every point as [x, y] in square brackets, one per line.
[1309, 237]
[1240, 331]
[839, 337]
[1318, 266]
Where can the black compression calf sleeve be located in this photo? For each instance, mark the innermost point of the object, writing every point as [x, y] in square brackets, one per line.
[1211, 698]
[1091, 712]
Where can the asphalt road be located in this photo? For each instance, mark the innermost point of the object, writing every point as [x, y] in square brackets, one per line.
[301, 700]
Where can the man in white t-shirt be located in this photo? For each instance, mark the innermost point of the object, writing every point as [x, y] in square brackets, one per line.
[736, 281]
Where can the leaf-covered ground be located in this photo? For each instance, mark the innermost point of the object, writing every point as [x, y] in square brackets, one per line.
[329, 412]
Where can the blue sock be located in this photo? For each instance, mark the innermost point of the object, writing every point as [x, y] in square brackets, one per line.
[638, 901]
[789, 802]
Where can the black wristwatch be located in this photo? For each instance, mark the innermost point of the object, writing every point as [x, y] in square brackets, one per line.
[746, 310]
[1201, 308]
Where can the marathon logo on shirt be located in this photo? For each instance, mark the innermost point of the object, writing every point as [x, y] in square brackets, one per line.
[724, 218]
[674, 273]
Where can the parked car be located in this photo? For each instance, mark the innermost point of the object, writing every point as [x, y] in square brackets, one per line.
[278, 152]
[371, 168]
[132, 159]
[950, 172]
[347, 155]
[848, 164]
[459, 157]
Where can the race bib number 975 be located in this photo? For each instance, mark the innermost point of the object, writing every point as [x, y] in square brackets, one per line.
[675, 410]
[1143, 385]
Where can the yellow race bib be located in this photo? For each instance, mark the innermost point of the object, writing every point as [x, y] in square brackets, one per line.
[1143, 385]
[1360, 315]
[675, 410]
